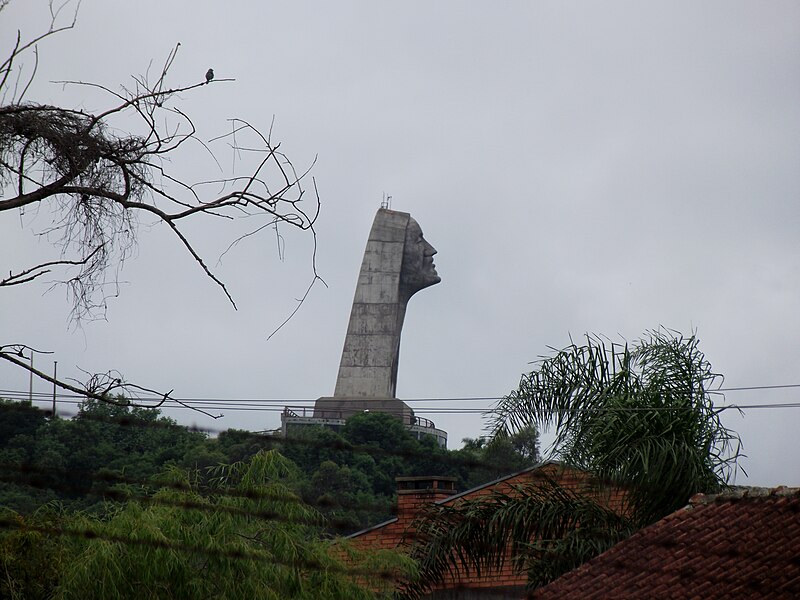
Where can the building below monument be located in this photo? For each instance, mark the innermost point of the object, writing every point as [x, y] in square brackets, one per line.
[300, 416]
[398, 262]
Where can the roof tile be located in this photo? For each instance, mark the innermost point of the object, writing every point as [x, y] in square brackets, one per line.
[744, 543]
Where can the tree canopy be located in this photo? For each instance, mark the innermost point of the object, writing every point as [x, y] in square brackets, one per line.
[243, 535]
[351, 473]
[349, 476]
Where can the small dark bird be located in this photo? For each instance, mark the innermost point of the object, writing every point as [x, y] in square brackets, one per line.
[209, 75]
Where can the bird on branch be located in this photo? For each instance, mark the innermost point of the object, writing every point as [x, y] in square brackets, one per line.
[209, 75]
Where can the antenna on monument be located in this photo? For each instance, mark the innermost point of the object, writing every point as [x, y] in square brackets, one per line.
[386, 202]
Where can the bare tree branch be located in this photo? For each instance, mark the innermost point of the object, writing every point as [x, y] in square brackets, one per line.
[41, 269]
[96, 183]
[99, 386]
[99, 180]
[6, 68]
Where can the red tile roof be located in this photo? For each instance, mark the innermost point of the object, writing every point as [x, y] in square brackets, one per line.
[740, 544]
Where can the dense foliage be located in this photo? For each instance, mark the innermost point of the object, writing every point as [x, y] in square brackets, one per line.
[122, 494]
[348, 475]
[242, 534]
[82, 461]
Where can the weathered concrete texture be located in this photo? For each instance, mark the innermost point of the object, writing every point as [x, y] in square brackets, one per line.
[397, 263]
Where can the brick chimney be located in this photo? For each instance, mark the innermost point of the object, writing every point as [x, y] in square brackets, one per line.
[415, 492]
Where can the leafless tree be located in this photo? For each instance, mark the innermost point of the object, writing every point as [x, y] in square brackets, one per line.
[97, 183]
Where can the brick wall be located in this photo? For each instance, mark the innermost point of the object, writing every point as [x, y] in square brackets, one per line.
[416, 492]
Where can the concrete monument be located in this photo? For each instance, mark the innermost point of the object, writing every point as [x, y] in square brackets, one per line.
[398, 262]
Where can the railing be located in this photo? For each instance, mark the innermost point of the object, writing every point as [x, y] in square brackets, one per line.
[305, 412]
[298, 411]
[304, 415]
[423, 422]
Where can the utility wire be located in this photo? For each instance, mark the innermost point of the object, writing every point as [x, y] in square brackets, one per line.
[236, 406]
[283, 402]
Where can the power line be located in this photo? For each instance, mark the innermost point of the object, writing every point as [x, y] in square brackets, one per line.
[486, 411]
[285, 401]
[760, 387]
[235, 406]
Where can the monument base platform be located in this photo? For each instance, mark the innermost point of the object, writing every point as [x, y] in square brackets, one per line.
[334, 411]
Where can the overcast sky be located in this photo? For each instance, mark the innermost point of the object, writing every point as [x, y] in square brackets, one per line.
[606, 167]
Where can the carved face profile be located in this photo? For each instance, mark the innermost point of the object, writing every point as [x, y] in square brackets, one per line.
[418, 270]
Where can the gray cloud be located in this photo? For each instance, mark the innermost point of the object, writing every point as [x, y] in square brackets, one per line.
[605, 168]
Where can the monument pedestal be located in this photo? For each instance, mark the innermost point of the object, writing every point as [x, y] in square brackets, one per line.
[336, 407]
[333, 412]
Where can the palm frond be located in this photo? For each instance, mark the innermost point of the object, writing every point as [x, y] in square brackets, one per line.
[639, 416]
[541, 526]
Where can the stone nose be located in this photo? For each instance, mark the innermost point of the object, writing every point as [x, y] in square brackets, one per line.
[429, 250]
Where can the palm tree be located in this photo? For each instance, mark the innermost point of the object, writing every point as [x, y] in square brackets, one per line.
[639, 418]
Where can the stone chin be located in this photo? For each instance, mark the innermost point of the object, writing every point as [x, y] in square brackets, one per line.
[431, 273]
[412, 283]
[428, 271]
[431, 278]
